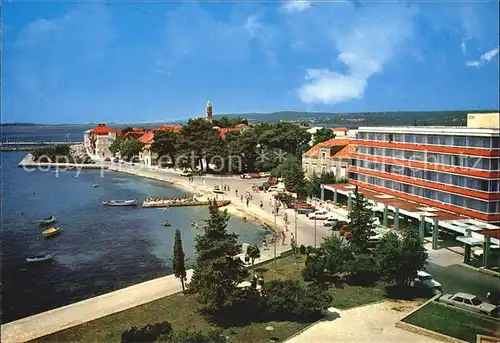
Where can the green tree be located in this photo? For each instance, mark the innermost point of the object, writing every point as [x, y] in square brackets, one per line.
[217, 271]
[287, 300]
[243, 145]
[253, 252]
[399, 258]
[362, 269]
[115, 145]
[130, 148]
[361, 222]
[335, 253]
[166, 144]
[178, 259]
[322, 135]
[314, 269]
[313, 185]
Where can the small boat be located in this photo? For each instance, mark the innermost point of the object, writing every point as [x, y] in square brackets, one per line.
[120, 202]
[48, 220]
[39, 258]
[195, 224]
[223, 203]
[95, 186]
[51, 231]
[166, 223]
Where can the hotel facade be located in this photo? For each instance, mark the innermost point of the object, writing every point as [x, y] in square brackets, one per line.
[455, 169]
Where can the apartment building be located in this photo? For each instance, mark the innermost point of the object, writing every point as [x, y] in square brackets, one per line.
[98, 140]
[451, 168]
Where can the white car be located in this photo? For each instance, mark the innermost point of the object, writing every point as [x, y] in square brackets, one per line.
[245, 176]
[263, 174]
[319, 215]
[330, 221]
[426, 280]
[186, 173]
[469, 302]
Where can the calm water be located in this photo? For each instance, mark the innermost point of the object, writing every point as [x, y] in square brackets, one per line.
[100, 248]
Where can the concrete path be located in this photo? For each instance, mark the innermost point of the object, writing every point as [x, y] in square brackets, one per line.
[370, 323]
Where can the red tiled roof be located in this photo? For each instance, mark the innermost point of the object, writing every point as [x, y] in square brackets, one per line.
[175, 128]
[345, 152]
[147, 138]
[328, 144]
[223, 131]
[341, 129]
[102, 129]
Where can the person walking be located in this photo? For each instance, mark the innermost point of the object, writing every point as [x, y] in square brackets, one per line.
[241, 198]
[261, 205]
[236, 192]
[248, 200]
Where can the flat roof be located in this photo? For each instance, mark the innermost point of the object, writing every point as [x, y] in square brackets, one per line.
[442, 130]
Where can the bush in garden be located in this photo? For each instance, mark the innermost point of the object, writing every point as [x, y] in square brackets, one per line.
[148, 333]
[302, 249]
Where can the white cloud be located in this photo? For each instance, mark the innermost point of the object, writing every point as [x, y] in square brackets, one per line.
[252, 25]
[484, 58]
[463, 47]
[365, 39]
[296, 5]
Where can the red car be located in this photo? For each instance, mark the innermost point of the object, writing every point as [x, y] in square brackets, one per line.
[254, 176]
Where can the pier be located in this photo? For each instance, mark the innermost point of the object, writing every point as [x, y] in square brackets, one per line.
[173, 202]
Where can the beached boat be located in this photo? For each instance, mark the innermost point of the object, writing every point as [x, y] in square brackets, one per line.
[39, 258]
[51, 231]
[120, 202]
[223, 203]
[48, 220]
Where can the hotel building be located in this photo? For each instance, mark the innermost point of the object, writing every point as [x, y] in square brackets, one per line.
[455, 169]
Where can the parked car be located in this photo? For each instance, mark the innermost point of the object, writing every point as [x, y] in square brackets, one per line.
[305, 210]
[338, 224]
[493, 297]
[426, 280]
[217, 190]
[319, 215]
[330, 221]
[264, 174]
[254, 176]
[245, 176]
[116, 160]
[186, 173]
[107, 159]
[469, 302]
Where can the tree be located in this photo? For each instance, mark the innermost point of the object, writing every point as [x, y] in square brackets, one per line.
[291, 170]
[322, 135]
[115, 145]
[130, 148]
[178, 259]
[313, 185]
[399, 258]
[335, 253]
[253, 252]
[287, 300]
[314, 269]
[166, 144]
[361, 222]
[217, 271]
[362, 269]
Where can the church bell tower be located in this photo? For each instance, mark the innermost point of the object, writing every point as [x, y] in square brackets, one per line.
[209, 112]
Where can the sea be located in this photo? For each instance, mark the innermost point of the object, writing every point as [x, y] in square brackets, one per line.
[100, 248]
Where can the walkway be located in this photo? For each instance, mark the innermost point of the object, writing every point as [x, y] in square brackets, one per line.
[370, 323]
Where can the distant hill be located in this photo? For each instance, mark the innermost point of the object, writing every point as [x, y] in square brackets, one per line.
[354, 120]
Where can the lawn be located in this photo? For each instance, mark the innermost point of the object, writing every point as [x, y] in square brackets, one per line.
[453, 322]
[182, 312]
[344, 295]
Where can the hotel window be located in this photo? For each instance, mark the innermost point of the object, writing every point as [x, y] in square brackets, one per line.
[388, 152]
[444, 159]
[479, 142]
[306, 168]
[494, 185]
[495, 142]
[361, 135]
[323, 155]
[381, 137]
[379, 151]
[445, 140]
[398, 137]
[493, 207]
[399, 154]
[432, 139]
[431, 176]
[457, 200]
[371, 180]
[409, 138]
[431, 158]
[323, 169]
[420, 139]
[494, 164]
[444, 178]
[389, 184]
[371, 151]
[459, 141]
[371, 136]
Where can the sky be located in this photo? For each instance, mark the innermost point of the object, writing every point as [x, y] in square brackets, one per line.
[80, 62]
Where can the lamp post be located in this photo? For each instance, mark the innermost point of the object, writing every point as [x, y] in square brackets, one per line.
[275, 236]
[314, 232]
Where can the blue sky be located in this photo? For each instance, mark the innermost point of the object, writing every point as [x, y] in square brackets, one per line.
[160, 61]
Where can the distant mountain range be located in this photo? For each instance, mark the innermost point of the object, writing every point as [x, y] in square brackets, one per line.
[349, 120]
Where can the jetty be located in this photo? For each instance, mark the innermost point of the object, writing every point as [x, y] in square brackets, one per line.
[27, 162]
[159, 202]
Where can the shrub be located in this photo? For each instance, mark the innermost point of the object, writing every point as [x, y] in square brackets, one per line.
[148, 333]
[291, 301]
[302, 249]
[363, 270]
[314, 269]
[310, 249]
